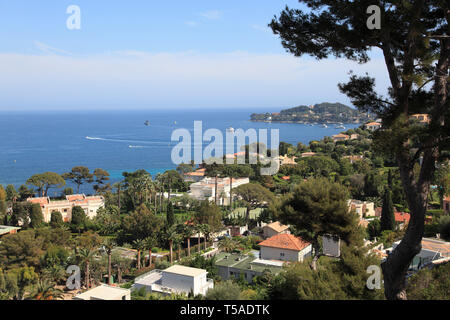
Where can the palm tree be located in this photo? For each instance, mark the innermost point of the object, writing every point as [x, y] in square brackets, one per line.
[198, 229]
[118, 186]
[227, 244]
[188, 231]
[86, 256]
[150, 242]
[121, 264]
[139, 245]
[55, 273]
[45, 290]
[108, 247]
[207, 232]
[172, 236]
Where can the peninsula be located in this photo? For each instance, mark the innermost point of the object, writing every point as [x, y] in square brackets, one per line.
[319, 113]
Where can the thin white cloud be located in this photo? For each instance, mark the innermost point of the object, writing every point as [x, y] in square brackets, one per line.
[191, 23]
[212, 14]
[50, 50]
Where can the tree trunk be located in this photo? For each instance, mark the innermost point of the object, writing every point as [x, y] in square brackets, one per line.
[247, 213]
[231, 194]
[87, 275]
[171, 251]
[119, 275]
[317, 254]
[150, 258]
[109, 268]
[189, 246]
[139, 259]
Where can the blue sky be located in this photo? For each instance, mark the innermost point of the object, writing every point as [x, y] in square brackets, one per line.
[144, 54]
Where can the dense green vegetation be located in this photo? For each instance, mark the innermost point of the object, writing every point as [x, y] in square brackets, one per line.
[319, 113]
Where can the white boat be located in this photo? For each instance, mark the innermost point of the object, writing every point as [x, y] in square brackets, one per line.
[230, 129]
[340, 127]
[324, 126]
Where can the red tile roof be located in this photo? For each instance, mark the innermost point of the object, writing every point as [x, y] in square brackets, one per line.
[41, 201]
[402, 217]
[285, 241]
[199, 173]
[75, 197]
[286, 178]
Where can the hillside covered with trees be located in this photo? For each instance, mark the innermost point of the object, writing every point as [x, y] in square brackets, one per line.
[319, 113]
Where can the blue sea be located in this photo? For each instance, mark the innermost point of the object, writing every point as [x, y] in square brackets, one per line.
[117, 141]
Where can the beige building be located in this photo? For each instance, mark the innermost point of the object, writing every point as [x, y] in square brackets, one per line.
[104, 292]
[422, 118]
[362, 208]
[285, 247]
[274, 228]
[90, 205]
[285, 160]
[340, 137]
[308, 154]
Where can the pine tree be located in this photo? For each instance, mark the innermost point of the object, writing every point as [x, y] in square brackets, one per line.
[387, 214]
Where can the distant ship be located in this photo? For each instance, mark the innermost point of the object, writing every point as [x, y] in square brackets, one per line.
[340, 127]
[230, 129]
[147, 123]
[324, 126]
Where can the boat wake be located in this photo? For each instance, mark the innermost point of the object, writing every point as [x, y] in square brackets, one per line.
[149, 143]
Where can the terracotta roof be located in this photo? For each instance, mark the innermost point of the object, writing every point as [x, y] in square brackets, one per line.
[75, 197]
[199, 172]
[402, 217]
[364, 223]
[285, 241]
[373, 124]
[341, 135]
[447, 198]
[286, 178]
[277, 226]
[42, 201]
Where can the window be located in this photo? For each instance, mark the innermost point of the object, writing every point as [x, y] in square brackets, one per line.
[282, 254]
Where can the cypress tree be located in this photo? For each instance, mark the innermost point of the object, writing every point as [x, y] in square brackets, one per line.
[170, 215]
[56, 219]
[387, 220]
[36, 217]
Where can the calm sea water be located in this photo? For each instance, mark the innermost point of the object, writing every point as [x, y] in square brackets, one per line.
[36, 142]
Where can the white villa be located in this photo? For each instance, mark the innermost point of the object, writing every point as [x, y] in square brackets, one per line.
[285, 247]
[175, 279]
[104, 292]
[205, 189]
[90, 205]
